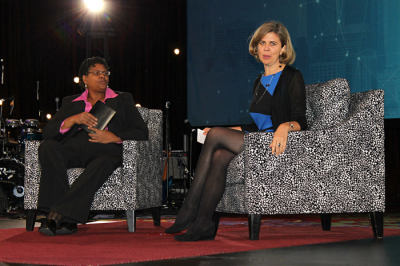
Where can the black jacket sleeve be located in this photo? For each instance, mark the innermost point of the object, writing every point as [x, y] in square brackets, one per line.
[68, 108]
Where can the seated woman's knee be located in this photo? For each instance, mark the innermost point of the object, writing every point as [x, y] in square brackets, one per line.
[215, 132]
[222, 156]
[47, 145]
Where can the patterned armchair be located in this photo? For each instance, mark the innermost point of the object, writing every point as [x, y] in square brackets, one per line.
[136, 185]
[336, 166]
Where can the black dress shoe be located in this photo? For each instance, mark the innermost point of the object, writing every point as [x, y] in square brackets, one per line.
[48, 227]
[66, 229]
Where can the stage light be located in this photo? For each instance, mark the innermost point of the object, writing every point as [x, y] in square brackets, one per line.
[76, 80]
[48, 116]
[1, 102]
[177, 51]
[94, 6]
[138, 105]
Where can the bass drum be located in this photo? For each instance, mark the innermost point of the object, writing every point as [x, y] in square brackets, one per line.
[12, 182]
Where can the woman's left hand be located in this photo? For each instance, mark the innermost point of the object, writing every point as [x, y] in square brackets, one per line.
[278, 144]
[102, 136]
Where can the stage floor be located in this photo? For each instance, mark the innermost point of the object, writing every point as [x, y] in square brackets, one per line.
[356, 252]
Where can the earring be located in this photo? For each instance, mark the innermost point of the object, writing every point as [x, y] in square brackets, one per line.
[85, 85]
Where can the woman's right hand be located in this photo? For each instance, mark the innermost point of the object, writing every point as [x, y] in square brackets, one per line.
[83, 118]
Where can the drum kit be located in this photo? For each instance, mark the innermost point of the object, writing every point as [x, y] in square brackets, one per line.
[13, 134]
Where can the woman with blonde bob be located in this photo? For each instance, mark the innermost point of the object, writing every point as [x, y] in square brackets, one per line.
[278, 106]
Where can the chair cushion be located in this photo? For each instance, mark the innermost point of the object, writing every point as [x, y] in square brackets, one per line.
[235, 172]
[327, 103]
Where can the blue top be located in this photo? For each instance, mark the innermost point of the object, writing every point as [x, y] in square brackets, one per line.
[263, 120]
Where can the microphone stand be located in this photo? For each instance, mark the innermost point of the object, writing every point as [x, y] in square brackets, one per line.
[38, 98]
[2, 131]
[3, 138]
[167, 147]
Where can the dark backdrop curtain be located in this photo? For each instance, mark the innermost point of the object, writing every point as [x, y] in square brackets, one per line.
[39, 42]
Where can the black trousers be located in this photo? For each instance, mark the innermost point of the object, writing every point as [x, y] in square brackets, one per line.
[55, 157]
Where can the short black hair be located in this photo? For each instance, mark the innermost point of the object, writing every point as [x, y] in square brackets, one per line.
[88, 63]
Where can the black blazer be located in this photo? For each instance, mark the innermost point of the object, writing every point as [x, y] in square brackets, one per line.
[289, 99]
[127, 122]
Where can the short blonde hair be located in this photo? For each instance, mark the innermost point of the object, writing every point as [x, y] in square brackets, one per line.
[288, 56]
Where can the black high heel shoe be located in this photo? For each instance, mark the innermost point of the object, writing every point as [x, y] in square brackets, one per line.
[207, 234]
[201, 234]
[178, 227]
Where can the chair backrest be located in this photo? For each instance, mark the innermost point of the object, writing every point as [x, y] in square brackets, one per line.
[154, 120]
[327, 103]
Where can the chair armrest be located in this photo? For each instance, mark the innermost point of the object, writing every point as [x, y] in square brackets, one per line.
[339, 169]
[142, 171]
[32, 174]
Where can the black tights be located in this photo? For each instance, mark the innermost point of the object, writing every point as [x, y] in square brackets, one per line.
[221, 145]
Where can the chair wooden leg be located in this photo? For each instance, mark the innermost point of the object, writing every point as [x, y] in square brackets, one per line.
[156, 213]
[254, 226]
[30, 219]
[131, 220]
[377, 224]
[326, 221]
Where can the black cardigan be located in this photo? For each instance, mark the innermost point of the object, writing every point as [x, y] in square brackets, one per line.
[127, 122]
[289, 99]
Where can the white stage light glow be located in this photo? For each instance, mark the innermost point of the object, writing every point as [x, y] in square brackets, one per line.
[48, 116]
[138, 105]
[76, 80]
[177, 51]
[94, 6]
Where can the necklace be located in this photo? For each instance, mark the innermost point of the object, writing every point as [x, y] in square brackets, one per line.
[265, 89]
[270, 81]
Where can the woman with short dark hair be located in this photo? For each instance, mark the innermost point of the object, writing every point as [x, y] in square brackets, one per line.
[66, 146]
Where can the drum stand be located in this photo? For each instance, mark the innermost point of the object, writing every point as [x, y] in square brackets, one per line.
[2, 130]
[11, 172]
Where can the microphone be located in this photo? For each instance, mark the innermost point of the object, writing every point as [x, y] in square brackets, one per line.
[57, 100]
[11, 105]
[37, 90]
[2, 71]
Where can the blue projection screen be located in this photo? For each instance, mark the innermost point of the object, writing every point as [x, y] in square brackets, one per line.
[354, 39]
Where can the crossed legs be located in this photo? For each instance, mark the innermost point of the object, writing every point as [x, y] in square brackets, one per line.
[221, 145]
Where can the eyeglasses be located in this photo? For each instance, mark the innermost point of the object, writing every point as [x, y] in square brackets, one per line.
[98, 73]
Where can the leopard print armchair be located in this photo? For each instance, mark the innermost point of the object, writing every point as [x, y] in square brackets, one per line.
[335, 166]
[134, 186]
